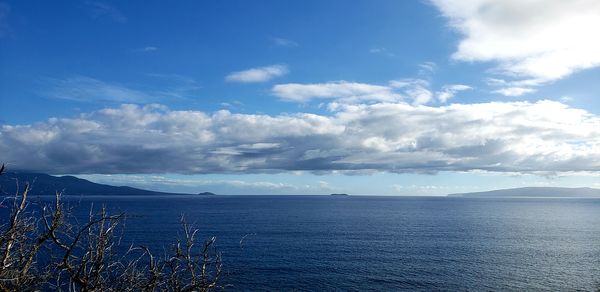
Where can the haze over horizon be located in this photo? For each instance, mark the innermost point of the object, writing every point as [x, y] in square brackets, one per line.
[388, 97]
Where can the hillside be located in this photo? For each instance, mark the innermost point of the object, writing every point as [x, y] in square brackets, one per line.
[44, 184]
[551, 192]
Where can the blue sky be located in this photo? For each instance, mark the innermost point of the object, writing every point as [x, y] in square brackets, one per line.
[306, 97]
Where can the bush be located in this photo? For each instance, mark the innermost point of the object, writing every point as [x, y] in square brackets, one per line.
[45, 250]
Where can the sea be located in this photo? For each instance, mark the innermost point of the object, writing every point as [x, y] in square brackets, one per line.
[378, 243]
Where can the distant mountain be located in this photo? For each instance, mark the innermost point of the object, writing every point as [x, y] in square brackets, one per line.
[549, 192]
[44, 184]
[207, 194]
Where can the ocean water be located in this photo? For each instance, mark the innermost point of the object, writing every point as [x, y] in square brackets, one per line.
[319, 243]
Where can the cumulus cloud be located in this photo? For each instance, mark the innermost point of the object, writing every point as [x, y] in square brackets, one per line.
[261, 74]
[394, 137]
[537, 40]
[415, 91]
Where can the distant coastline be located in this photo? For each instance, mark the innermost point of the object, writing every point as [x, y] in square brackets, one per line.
[534, 192]
[44, 184]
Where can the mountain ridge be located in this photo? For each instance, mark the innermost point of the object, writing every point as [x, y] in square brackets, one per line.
[549, 192]
[45, 184]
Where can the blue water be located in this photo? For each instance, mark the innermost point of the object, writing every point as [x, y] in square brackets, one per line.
[382, 243]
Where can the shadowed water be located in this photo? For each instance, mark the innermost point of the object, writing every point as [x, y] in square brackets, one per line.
[381, 243]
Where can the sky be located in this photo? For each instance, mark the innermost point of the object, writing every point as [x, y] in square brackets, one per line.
[303, 97]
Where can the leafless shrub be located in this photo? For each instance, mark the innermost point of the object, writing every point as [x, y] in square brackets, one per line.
[48, 251]
[19, 246]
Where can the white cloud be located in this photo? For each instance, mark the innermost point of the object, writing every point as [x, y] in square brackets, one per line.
[566, 99]
[426, 68]
[173, 86]
[86, 89]
[449, 91]
[343, 90]
[415, 91]
[261, 74]
[282, 42]
[394, 137]
[381, 51]
[531, 39]
[513, 87]
[145, 181]
[195, 184]
[147, 49]
[514, 91]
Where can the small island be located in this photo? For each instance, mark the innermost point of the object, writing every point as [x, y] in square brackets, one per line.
[207, 194]
[342, 195]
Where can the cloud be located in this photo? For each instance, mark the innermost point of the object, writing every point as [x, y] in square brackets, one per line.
[449, 91]
[426, 68]
[415, 91]
[86, 89]
[382, 51]
[538, 40]
[103, 9]
[281, 42]
[341, 90]
[566, 99]
[514, 87]
[510, 137]
[194, 184]
[146, 49]
[260, 74]
[514, 91]
[158, 180]
[173, 85]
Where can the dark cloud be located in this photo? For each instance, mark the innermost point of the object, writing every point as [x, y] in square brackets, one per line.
[392, 137]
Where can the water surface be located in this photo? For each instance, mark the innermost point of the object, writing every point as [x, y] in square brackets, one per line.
[381, 243]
